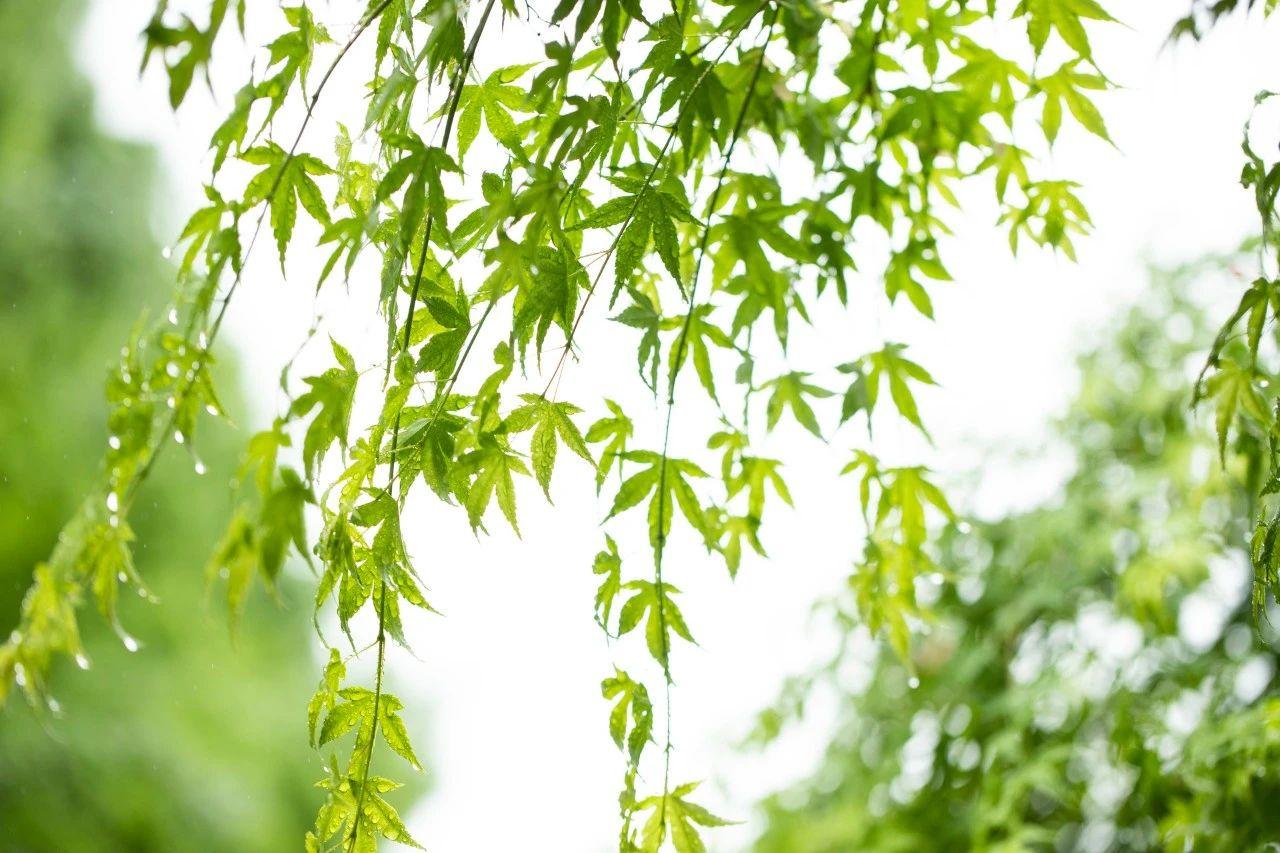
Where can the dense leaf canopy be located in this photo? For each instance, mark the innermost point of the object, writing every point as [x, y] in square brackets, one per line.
[715, 178]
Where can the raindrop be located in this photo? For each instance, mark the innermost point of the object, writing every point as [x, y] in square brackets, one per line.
[81, 660]
[171, 403]
[20, 674]
[211, 409]
[172, 369]
[180, 437]
[130, 644]
[200, 469]
[55, 707]
[113, 502]
[114, 442]
[166, 253]
[115, 521]
[173, 316]
[913, 682]
[202, 341]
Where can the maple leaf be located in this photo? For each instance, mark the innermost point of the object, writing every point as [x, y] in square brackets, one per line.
[616, 430]
[675, 473]
[491, 468]
[492, 99]
[789, 392]
[664, 617]
[548, 420]
[630, 698]
[333, 392]
[673, 816]
[284, 182]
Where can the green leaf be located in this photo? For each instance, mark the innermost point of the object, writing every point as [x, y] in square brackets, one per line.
[493, 99]
[326, 695]
[1066, 17]
[548, 420]
[673, 816]
[663, 618]
[284, 182]
[789, 392]
[887, 365]
[630, 698]
[616, 431]
[332, 394]
[491, 468]
[674, 474]
[646, 212]
[393, 730]
[608, 564]
[1233, 388]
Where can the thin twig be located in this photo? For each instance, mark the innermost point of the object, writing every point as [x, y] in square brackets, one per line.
[674, 372]
[201, 360]
[635, 205]
[455, 98]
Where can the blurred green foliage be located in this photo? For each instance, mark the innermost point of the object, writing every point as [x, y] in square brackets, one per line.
[1094, 679]
[198, 744]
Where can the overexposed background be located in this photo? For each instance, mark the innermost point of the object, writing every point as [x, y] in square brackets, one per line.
[504, 700]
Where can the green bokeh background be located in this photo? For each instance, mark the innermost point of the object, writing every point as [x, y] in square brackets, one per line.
[196, 743]
[1059, 705]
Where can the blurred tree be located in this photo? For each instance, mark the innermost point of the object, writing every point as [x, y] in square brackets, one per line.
[1094, 680]
[198, 745]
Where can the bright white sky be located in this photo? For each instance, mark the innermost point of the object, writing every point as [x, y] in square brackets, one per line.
[504, 703]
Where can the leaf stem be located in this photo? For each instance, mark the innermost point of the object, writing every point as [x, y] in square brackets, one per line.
[674, 371]
[455, 97]
[377, 701]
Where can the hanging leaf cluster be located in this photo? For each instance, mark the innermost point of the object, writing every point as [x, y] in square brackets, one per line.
[703, 180]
